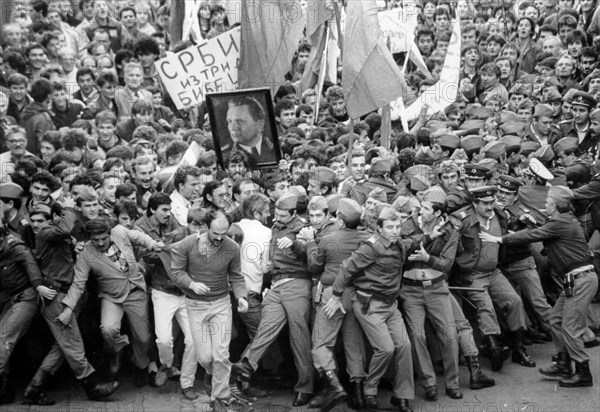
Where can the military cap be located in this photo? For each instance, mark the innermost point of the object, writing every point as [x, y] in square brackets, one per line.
[560, 194]
[11, 191]
[551, 81]
[386, 212]
[456, 199]
[448, 166]
[479, 112]
[484, 193]
[508, 183]
[417, 184]
[404, 204]
[424, 155]
[494, 150]
[322, 174]
[545, 154]
[565, 144]
[473, 142]
[379, 164]
[549, 62]
[472, 125]
[288, 201]
[448, 140]
[434, 125]
[553, 94]
[529, 146]
[333, 202]
[378, 194]
[507, 116]
[490, 164]
[519, 88]
[514, 128]
[542, 110]
[459, 155]
[475, 171]
[538, 169]
[349, 209]
[423, 171]
[317, 203]
[41, 208]
[583, 99]
[511, 142]
[87, 195]
[299, 192]
[434, 194]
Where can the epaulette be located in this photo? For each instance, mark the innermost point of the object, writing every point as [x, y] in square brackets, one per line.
[303, 220]
[455, 221]
[462, 214]
[225, 147]
[372, 240]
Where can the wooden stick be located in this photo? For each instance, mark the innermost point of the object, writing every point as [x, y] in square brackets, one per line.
[321, 79]
[350, 144]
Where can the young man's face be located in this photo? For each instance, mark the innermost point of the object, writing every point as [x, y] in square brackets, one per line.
[358, 167]
[280, 189]
[441, 22]
[128, 19]
[125, 220]
[511, 54]
[162, 214]
[581, 114]
[303, 57]
[86, 83]
[147, 60]
[109, 189]
[340, 170]
[37, 58]
[488, 80]
[286, 118]
[425, 44]
[106, 131]
[471, 58]
[337, 107]
[493, 48]
[469, 36]
[574, 48]
[143, 175]
[504, 66]
[586, 65]
[308, 118]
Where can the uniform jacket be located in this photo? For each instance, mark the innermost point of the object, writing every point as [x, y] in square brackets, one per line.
[290, 261]
[360, 191]
[442, 250]
[268, 154]
[18, 269]
[114, 285]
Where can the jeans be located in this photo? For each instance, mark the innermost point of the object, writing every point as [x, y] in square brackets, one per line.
[210, 324]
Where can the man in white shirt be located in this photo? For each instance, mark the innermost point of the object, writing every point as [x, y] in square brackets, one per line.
[187, 184]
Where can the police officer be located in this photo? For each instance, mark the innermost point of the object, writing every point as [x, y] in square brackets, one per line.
[570, 256]
[324, 260]
[477, 264]
[475, 176]
[375, 271]
[425, 295]
[518, 264]
[579, 127]
[288, 301]
[379, 176]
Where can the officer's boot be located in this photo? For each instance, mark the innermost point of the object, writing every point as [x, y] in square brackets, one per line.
[561, 368]
[519, 354]
[581, 378]
[317, 400]
[34, 392]
[7, 394]
[96, 390]
[478, 380]
[497, 353]
[335, 393]
[356, 398]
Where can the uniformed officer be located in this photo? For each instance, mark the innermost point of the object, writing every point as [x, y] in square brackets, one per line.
[571, 257]
[425, 295]
[324, 259]
[574, 165]
[375, 271]
[379, 176]
[518, 264]
[582, 104]
[541, 129]
[11, 197]
[476, 264]
[288, 301]
[475, 176]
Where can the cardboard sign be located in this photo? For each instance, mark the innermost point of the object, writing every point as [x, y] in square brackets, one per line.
[397, 28]
[209, 67]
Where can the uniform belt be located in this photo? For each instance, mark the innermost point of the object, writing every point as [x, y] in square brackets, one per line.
[424, 283]
[581, 271]
[582, 274]
[388, 300]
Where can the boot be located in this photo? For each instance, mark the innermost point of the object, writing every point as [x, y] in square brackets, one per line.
[7, 394]
[519, 354]
[356, 400]
[478, 379]
[96, 390]
[34, 392]
[581, 378]
[335, 392]
[561, 368]
[497, 354]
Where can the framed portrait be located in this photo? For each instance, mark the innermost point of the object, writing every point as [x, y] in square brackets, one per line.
[244, 121]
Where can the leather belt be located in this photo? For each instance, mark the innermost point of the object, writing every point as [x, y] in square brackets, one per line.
[580, 271]
[423, 283]
[582, 274]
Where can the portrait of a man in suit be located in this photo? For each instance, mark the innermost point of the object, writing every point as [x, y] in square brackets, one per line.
[249, 130]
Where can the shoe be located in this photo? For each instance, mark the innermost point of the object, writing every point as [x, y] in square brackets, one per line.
[208, 384]
[34, 392]
[141, 377]
[356, 398]
[591, 343]
[301, 399]
[535, 336]
[174, 372]
[497, 354]
[7, 394]
[519, 354]
[561, 368]
[234, 404]
[431, 393]
[477, 380]
[249, 390]
[371, 402]
[243, 370]
[189, 393]
[581, 378]
[454, 393]
[335, 393]
[161, 376]
[96, 390]
[403, 405]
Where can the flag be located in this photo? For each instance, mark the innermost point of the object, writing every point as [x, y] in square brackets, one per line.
[371, 78]
[191, 24]
[444, 92]
[271, 30]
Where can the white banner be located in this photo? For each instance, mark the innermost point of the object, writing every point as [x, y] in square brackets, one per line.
[209, 67]
[398, 27]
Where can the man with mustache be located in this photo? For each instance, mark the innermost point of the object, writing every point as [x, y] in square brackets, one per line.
[143, 174]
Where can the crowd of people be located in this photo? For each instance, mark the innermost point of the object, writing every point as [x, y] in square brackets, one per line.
[365, 255]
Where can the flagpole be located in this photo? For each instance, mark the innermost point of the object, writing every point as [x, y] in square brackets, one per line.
[404, 66]
[350, 144]
[338, 24]
[322, 74]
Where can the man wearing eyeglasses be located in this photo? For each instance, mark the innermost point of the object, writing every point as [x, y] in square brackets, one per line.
[16, 141]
